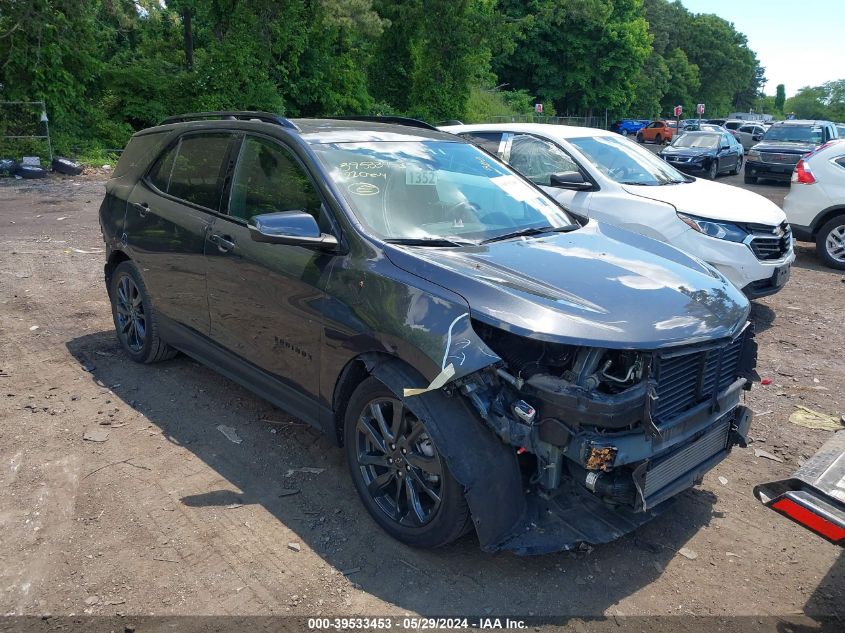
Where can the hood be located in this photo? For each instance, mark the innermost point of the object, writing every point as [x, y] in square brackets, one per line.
[714, 200]
[600, 286]
[784, 147]
[688, 151]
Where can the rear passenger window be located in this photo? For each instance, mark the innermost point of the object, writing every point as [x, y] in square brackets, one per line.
[160, 174]
[269, 179]
[197, 168]
[488, 140]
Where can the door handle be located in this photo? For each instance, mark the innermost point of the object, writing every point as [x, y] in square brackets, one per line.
[142, 207]
[224, 242]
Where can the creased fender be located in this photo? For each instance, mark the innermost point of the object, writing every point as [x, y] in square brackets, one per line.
[485, 467]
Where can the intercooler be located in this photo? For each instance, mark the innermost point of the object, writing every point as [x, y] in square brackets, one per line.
[656, 482]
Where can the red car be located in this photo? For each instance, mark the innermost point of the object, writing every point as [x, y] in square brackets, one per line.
[658, 131]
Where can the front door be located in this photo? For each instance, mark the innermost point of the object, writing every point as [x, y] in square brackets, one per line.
[168, 216]
[265, 299]
[538, 160]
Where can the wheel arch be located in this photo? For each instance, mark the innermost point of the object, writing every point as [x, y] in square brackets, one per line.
[826, 216]
[353, 374]
[114, 259]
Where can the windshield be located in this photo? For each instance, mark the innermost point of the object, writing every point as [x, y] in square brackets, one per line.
[435, 190]
[794, 134]
[625, 162]
[697, 140]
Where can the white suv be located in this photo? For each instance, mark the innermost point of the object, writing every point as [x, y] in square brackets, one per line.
[815, 204]
[604, 176]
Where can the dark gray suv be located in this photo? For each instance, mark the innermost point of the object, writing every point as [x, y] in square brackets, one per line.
[489, 361]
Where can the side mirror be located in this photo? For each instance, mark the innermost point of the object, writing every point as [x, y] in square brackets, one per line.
[295, 228]
[757, 137]
[570, 180]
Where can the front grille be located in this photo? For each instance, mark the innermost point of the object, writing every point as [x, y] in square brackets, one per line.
[766, 244]
[663, 471]
[780, 159]
[685, 380]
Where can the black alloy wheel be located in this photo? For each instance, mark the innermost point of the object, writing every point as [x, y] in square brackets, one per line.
[398, 471]
[131, 316]
[134, 316]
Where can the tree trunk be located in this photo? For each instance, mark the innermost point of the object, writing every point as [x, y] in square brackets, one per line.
[189, 38]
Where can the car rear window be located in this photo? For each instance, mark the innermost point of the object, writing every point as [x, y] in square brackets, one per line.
[795, 134]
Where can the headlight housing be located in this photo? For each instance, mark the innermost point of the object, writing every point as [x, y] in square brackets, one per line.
[712, 228]
[753, 154]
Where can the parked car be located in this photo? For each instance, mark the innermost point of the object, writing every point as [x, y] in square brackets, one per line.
[783, 145]
[626, 127]
[658, 132]
[486, 360]
[749, 135]
[705, 153]
[733, 124]
[813, 497]
[815, 204]
[596, 174]
[695, 126]
[840, 130]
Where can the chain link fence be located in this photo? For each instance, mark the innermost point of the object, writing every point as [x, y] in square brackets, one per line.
[581, 121]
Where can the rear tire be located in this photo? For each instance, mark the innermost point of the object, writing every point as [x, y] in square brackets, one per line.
[135, 320]
[30, 172]
[736, 169]
[658, 139]
[393, 462]
[830, 242]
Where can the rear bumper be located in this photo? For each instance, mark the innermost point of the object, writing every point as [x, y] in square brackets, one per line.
[814, 497]
[772, 171]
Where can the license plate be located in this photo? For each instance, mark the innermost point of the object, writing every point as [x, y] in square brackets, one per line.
[781, 275]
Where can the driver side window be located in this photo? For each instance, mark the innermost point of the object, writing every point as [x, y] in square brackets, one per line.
[268, 179]
[538, 160]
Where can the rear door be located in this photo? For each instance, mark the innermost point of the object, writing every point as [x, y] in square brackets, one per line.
[264, 299]
[168, 216]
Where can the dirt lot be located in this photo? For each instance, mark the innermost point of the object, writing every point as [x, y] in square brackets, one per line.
[167, 516]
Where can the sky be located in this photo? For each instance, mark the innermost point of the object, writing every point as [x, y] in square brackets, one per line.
[798, 43]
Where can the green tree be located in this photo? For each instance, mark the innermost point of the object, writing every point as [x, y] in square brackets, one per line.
[582, 54]
[780, 98]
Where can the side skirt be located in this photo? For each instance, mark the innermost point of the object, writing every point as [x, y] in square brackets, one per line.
[246, 374]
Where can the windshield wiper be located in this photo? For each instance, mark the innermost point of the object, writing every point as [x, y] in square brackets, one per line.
[428, 241]
[532, 230]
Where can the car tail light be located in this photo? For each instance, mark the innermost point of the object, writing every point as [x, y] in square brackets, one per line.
[803, 173]
[810, 520]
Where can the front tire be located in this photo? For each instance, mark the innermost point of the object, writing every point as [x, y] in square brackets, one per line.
[712, 170]
[402, 479]
[624, 132]
[750, 180]
[134, 317]
[640, 138]
[830, 242]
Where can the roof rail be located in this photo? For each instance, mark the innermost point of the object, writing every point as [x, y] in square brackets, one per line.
[396, 120]
[234, 115]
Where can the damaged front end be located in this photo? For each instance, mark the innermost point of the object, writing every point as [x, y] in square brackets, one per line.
[606, 435]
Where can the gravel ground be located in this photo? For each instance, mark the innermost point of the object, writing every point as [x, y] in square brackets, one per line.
[167, 516]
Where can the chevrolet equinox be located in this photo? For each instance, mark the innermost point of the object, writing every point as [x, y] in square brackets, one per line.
[488, 360]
